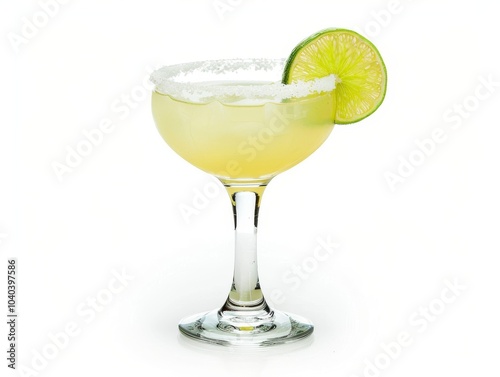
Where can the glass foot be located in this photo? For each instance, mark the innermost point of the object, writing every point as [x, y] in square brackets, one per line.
[277, 328]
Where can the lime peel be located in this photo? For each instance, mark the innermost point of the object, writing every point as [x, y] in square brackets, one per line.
[361, 76]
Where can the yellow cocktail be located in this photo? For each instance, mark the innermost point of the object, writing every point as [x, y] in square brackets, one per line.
[247, 120]
[244, 143]
[235, 120]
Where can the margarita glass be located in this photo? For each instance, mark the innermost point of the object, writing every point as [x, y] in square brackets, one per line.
[234, 119]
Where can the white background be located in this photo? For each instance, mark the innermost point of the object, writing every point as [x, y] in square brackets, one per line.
[119, 208]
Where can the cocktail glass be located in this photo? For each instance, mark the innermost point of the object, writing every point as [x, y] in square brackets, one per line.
[235, 120]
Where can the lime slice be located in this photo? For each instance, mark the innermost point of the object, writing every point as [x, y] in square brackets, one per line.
[357, 64]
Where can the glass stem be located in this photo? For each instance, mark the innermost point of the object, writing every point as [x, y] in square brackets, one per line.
[245, 299]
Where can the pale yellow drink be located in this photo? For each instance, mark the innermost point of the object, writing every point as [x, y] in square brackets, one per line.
[238, 141]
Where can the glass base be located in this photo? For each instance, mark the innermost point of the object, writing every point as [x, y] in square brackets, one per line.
[216, 328]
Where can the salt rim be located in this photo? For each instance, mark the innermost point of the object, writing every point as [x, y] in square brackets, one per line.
[190, 81]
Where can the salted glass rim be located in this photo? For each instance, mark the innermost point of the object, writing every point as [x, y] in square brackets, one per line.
[250, 79]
